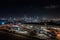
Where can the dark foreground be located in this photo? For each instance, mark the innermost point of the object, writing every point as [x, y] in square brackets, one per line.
[8, 36]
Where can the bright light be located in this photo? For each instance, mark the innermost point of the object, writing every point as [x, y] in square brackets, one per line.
[31, 26]
[3, 23]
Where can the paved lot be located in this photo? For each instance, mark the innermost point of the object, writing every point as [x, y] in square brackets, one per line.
[9, 36]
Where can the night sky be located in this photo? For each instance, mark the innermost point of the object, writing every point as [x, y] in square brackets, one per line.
[41, 8]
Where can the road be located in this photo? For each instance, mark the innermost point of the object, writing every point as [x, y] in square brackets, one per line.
[10, 36]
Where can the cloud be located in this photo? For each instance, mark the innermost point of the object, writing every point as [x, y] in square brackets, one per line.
[51, 7]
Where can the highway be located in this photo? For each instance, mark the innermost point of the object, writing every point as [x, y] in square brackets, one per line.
[12, 36]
